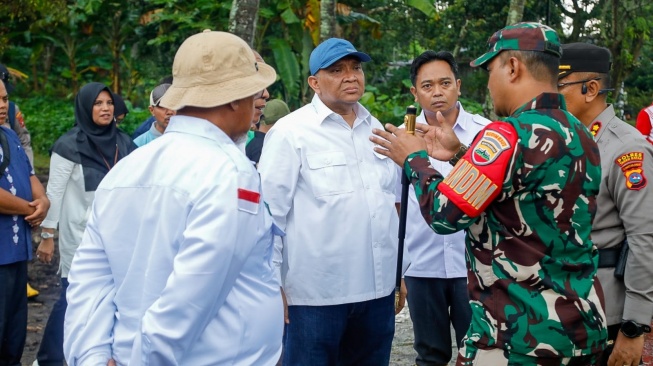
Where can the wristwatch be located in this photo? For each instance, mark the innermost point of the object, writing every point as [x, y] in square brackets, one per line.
[45, 235]
[632, 329]
[458, 155]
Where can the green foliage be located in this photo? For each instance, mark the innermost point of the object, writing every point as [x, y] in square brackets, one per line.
[46, 119]
[130, 45]
[424, 6]
[287, 67]
[388, 101]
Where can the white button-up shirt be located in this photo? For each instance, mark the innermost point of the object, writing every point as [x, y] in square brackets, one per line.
[69, 207]
[433, 255]
[334, 198]
[175, 266]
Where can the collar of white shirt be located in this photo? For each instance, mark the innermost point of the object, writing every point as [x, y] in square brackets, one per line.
[463, 121]
[198, 127]
[323, 112]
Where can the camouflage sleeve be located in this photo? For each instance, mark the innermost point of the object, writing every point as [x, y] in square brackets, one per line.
[452, 204]
[633, 197]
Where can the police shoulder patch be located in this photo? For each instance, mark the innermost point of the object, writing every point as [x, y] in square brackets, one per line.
[632, 165]
[595, 128]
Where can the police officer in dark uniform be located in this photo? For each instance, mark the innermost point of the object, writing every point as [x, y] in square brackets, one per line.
[623, 222]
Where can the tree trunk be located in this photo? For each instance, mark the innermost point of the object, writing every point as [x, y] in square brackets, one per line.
[327, 19]
[115, 43]
[515, 14]
[243, 18]
[461, 37]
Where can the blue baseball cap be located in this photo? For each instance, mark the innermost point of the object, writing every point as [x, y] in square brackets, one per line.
[332, 50]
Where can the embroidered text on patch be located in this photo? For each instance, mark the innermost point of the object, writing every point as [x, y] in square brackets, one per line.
[489, 147]
[632, 165]
[478, 177]
[469, 183]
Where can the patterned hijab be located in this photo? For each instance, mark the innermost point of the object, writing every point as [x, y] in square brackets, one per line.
[91, 145]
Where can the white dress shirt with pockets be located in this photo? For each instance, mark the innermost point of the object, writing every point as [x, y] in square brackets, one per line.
[334, 198]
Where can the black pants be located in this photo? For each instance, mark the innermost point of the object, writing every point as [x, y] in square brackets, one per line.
[13, 312]
[435, 305]
[51, 348]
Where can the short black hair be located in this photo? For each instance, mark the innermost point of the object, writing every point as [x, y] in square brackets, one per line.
[428, 56]
[542, 66]
[605, 81]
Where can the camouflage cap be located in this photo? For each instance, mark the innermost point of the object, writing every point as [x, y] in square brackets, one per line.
[521, 37]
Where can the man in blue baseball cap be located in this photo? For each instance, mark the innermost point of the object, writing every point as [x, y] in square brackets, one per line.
[334, 197]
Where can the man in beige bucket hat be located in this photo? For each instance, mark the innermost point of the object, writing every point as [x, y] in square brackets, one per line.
[175, 265]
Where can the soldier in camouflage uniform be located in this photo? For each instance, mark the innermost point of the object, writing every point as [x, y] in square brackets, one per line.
[624, 199]
[525, 194]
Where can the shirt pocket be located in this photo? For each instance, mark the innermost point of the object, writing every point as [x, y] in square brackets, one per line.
[328, 173]
[387, 173]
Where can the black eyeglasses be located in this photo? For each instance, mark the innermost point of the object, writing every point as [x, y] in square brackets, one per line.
[562, 85]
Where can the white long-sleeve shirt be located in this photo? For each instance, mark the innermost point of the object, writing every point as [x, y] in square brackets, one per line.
[433, 255]
[70, 205]
[175, 267]
[334, 198]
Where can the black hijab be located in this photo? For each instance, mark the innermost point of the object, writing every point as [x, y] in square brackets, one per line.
[119, 106]
[89, 144]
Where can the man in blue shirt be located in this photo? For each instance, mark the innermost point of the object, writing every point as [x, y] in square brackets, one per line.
[161, 117]
[23, 204]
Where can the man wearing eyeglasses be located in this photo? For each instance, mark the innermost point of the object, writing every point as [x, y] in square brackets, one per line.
[15, 117]
[623, 217]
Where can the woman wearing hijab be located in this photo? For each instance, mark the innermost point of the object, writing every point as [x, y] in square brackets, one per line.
[80, 159]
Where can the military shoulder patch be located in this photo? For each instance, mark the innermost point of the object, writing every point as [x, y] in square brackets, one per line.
[632, 165]
[477, 179]
[489, 147]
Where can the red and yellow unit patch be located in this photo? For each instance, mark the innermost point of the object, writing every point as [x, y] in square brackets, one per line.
[488, 149]
[632, 165]
[477, 179]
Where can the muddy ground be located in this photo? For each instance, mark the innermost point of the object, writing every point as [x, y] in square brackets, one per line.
[45, 279]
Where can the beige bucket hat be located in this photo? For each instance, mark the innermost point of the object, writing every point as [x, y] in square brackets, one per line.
[215, 68]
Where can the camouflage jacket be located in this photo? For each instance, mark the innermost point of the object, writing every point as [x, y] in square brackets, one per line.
[525, 194]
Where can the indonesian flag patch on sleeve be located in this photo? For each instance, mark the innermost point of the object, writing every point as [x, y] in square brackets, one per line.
[248, 201]
[478, 177]
[632, 165]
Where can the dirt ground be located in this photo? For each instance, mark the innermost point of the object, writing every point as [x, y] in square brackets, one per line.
[44, 278]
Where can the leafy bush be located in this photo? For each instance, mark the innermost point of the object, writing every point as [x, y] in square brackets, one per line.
[46, 119]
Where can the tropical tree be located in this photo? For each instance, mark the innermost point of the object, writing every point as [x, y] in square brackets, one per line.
[603, 22]
[327, 19]
[243, 19]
